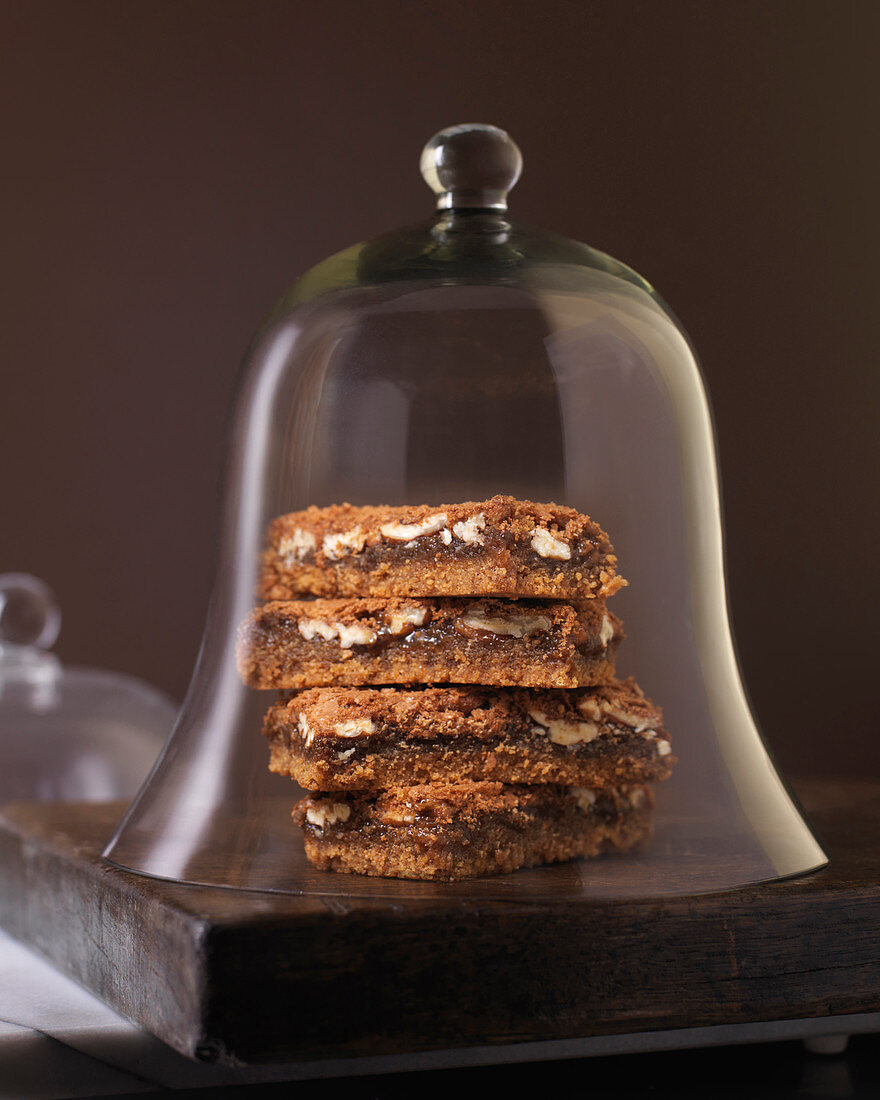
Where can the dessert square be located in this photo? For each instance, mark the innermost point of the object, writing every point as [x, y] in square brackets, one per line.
[455, 831]
[338, 739]
[299, 644]
[498, 547]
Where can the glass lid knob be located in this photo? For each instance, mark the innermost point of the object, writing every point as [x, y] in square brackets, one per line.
[29, 612]
[471, 166]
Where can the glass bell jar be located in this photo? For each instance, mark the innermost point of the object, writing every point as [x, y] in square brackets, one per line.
[469, 358]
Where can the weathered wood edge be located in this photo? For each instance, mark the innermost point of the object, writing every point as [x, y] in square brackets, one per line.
[266, 978]
[41, 904]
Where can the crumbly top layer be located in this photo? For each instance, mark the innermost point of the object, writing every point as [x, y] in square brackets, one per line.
[465, 803]
[328, 538]
[515, 517]
[341, 713]
[454, 801]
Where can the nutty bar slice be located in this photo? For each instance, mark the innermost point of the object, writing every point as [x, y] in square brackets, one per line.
[349, 739]
[534, 643]
[454, 831]
[497, 547]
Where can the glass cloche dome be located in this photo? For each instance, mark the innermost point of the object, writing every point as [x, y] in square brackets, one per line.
[405, 418]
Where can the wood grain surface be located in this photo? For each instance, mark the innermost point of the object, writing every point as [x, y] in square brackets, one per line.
[252, 977]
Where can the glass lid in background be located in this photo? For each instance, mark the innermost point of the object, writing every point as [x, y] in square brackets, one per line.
[68, 734]
[465, 357]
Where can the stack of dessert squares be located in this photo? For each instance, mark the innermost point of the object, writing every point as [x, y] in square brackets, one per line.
[447, 688]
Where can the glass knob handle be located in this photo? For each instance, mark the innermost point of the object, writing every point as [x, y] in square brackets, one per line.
[29, 612]
[471, 166]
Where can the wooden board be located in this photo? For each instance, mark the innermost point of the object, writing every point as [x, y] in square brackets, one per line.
[221, 974]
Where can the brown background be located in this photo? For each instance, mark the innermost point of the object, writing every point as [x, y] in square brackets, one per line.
[170, 167]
